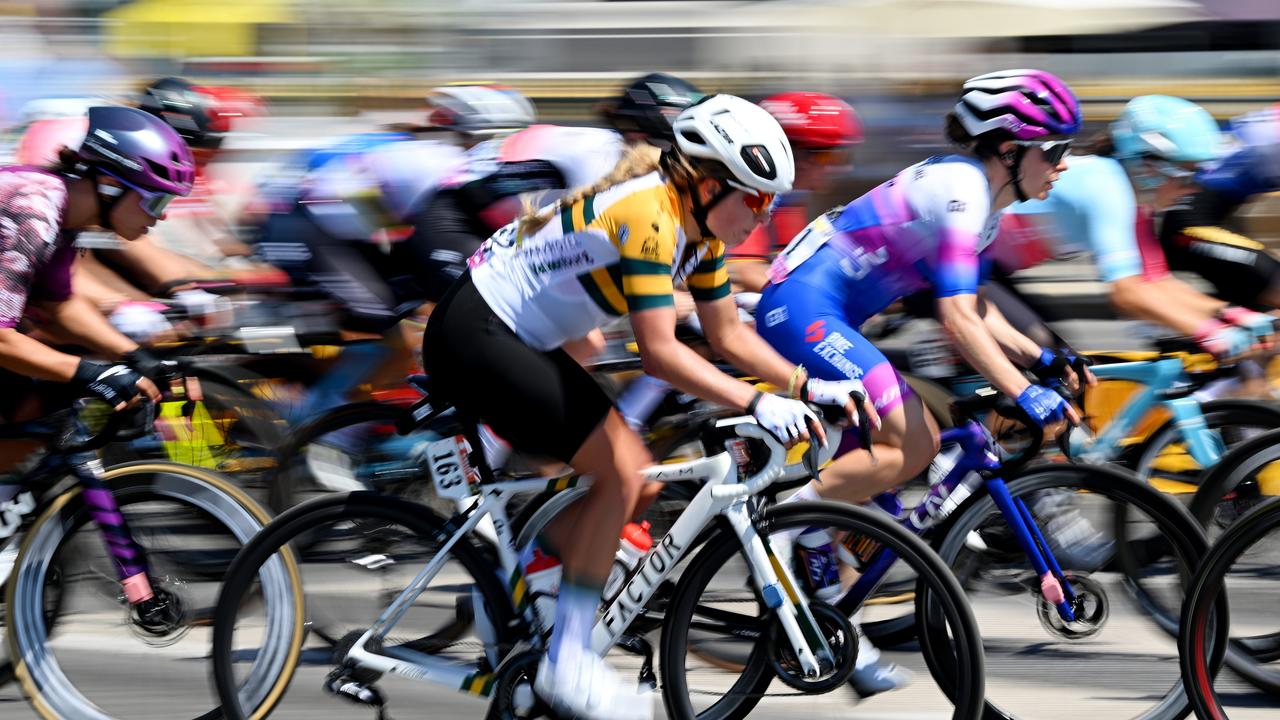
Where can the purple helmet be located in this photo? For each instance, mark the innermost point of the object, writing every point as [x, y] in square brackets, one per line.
[1026, 104]
[138, 148]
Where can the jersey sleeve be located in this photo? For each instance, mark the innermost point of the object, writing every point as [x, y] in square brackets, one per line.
[30, 215]
[1110, 214]
[710, 278]
[645, 259]
[960, 213]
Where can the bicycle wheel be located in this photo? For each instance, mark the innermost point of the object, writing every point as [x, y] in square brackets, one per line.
[1242, 563]
[1163, 460]
[189, 522]
[716, 604]
[1245, 477]
[1117, 659]
[368, 548]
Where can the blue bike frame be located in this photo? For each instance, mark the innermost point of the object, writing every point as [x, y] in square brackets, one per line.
[978, 455]
[1157, 378]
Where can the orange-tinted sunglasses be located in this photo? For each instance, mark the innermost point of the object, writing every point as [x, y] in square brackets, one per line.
[758, 204]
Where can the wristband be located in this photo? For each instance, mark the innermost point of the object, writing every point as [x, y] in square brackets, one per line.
[755, 401]
[793, 391]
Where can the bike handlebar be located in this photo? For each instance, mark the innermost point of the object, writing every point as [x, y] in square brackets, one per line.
[776, 466]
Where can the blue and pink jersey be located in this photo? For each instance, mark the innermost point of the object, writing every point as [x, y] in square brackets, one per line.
[925, 228]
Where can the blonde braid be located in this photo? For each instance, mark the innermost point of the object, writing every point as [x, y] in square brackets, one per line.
[637, 160]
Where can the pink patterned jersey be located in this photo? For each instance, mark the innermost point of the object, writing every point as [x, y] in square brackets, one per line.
[35, 255]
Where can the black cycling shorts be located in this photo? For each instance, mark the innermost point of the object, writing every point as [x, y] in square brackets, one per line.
[1196, 239]
[540, 402]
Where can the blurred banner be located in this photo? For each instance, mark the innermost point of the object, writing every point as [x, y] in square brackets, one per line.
[185, 28]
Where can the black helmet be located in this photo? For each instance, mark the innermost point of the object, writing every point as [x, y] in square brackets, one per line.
[188, 109]
[648, 105]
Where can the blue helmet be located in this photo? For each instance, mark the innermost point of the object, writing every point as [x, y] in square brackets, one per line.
[1168, 128]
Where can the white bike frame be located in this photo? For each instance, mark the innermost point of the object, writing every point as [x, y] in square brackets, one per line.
[722, 494]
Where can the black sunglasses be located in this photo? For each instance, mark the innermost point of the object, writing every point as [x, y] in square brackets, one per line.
[1053, 150]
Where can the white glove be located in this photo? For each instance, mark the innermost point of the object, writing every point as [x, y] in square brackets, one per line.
[834, 392]
[140, 321]
[783, 417]
[213, 310]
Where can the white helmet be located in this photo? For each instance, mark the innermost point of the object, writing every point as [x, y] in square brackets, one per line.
[741, 136]
[479, 108]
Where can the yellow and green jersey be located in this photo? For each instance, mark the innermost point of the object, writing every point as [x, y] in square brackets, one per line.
[622, 250]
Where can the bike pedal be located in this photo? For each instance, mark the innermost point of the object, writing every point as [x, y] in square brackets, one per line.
[347, 687]
[638, 645]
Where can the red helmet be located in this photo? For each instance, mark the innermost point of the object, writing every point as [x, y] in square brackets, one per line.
[815, 120]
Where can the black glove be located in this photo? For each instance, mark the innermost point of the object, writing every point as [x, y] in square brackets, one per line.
[160, 372]
[113, 383]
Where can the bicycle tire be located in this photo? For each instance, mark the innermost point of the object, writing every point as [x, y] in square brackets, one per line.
[1175, 525]
[277, 535]
[1200, 655]
[723, 545]
[50, 694]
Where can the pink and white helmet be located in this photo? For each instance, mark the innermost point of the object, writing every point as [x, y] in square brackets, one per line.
[1026, 104]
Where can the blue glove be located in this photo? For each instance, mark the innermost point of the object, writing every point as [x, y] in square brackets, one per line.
[1043, 405]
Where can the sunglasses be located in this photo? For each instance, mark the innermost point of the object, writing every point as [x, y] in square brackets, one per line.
[153, 203]
[759, 204]
[1053, 150]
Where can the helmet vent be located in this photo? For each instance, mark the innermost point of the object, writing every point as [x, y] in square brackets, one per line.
[693, 137]
[158, 169]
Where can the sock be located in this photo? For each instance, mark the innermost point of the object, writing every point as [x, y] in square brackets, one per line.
[806, 493]
[868, 654]
[575, 616]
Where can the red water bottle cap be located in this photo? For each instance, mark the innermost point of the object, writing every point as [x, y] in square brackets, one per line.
[541, 561]
[638, 535]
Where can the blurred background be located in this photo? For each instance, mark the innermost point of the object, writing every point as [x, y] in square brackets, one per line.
[328, 66]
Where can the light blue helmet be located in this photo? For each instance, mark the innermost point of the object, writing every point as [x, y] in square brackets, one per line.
[1165, 127]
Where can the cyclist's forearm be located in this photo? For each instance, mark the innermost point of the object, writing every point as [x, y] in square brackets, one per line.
[748, 352]
[689, 372]
[80, 322]
[970, 336]
[1162, 302]
[1017, 347]
[31, 358]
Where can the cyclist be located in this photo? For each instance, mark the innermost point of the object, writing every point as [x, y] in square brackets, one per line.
[923, 228]
[1198, 235]
[823, 130]
[125, 173]
[493, 347]
[1142, 165]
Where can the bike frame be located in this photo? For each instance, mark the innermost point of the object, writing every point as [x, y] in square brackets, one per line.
[721, 494]
[978, 455]
[86, 468]
[1157, 378]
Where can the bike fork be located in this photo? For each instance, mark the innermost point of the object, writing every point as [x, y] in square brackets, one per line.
[1054, 587]
[778, 589]
[130, 559]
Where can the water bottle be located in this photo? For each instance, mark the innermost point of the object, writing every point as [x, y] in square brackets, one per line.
[635, 543]
[542, 583]
[822, 570]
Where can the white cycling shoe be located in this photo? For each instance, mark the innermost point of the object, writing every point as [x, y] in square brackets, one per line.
[589, 689]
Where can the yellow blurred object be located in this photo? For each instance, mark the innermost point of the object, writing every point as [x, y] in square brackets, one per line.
[181, 28]
[1269, 480]
[187, 440]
